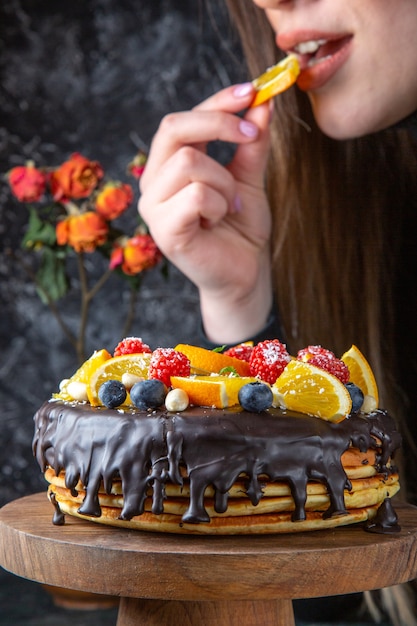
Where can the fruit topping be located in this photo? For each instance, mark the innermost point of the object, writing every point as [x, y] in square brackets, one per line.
[321, 357]
[255, 397]
[167, 362]
[205, 361]
[148, 394]
[356, 395]
[241, 351]
[82, 375]
[361, 374]
[117, 368]
[268, 360]
[312, 390]
[177, 400]
[131, 345]
[112, 393]
[212, 391]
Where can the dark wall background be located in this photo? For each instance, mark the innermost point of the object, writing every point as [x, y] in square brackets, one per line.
[93, 76]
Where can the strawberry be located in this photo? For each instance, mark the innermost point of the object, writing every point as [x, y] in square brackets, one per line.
[241, 351]
[167, 362]
[326, 360]
[131, 345]
[268, 360]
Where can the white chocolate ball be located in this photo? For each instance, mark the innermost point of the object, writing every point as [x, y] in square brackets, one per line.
[78, 391]
[130, 379]
[176, 400]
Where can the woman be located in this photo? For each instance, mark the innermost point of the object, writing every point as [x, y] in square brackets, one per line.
[317, 209]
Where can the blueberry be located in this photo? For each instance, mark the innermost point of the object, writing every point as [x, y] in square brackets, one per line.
[148, 394]
[356, 395]
[112, 393]
[255, 397]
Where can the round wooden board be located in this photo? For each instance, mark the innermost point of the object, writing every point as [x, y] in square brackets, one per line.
[99, 559]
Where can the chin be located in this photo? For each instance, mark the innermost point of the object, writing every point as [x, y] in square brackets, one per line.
[342, 123]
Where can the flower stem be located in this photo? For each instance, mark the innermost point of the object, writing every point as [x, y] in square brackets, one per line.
[87, 296]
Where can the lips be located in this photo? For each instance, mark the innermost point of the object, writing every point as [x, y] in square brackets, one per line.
[320, 56]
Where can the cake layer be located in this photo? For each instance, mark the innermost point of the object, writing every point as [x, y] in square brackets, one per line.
[272, 523]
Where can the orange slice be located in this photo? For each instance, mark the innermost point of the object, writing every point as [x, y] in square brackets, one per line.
[114, 368]
[276, 79]
[208, 361]
[312, 390]
[361, 373]
[212, 391]
[83, 374]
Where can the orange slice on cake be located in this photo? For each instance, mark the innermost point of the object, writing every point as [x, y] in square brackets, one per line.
[309, 389]
[132, 366]
[80, 379]
[205, 361]
[211, 391]
[361, 373]
[276, 79]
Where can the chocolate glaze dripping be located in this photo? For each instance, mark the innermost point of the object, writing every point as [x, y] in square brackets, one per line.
[215, 446]
[386, 521]
[58, 518]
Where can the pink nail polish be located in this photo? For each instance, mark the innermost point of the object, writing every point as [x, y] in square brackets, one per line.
[243, 90]
[237, 204]
[248, 129]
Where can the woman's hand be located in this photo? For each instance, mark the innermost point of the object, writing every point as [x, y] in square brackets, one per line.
[213, 222]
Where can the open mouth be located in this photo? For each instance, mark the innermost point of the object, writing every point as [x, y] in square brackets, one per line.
[316, 51]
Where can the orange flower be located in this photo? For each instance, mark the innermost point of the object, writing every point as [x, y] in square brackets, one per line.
[76, 178]
[135, 254]
[113, 200]
[82, 232]
[27, 183]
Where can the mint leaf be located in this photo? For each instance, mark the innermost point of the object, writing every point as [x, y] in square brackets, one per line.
[229, 371]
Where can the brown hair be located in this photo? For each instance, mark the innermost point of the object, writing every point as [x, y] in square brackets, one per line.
[342, 214]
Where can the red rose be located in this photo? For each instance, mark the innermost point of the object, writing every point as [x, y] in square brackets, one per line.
[137, 254]
[113, 200]
[27, 183]
[137, 166]
[82, 232]
[76, 178]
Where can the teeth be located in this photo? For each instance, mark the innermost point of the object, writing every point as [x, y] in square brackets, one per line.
[309, 47]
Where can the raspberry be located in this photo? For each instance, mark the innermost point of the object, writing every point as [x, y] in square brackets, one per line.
[131, 345]
[326, 360]
[167, 362]
[268, 360]
[241, 351]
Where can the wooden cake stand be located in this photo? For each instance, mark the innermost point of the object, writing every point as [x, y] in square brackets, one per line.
[165, 580]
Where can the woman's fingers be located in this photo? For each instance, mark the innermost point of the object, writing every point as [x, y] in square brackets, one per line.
[249, 162]
[182, 227]
[231, 100]
[195, 128]
[189, 166]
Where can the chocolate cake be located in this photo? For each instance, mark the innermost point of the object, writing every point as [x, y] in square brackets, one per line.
[215, 471]
[268, 443]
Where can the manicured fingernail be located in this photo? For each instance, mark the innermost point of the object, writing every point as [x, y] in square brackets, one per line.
[243, 90]
[248, 129]
[237, 204]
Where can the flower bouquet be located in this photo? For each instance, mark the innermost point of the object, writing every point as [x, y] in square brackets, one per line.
[72, 209]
